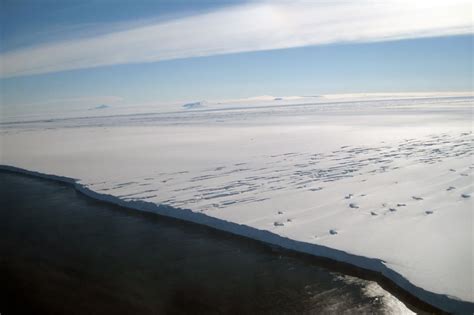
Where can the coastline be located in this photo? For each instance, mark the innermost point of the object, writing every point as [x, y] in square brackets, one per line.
[368, 268]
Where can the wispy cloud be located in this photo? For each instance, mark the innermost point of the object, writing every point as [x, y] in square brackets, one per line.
[248, 27]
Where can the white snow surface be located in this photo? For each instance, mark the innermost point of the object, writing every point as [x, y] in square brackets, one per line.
[384, 180]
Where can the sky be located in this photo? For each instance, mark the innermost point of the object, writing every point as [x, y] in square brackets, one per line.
[90, 52]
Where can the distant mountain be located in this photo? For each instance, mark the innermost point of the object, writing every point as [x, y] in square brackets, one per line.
[193, 105]
[102, 106]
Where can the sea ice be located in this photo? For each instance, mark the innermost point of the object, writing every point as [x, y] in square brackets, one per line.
[231, 164]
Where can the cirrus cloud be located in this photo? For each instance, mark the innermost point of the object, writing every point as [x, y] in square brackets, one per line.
[245, 28]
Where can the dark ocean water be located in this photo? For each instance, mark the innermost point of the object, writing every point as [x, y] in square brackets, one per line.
[63, 253]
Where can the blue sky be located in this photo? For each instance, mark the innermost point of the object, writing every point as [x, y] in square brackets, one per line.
[144, 51]
[26, 22]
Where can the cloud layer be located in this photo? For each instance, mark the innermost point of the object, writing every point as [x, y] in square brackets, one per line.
[249, 27]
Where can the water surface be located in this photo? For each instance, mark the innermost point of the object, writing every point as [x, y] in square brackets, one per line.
[64, 253]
